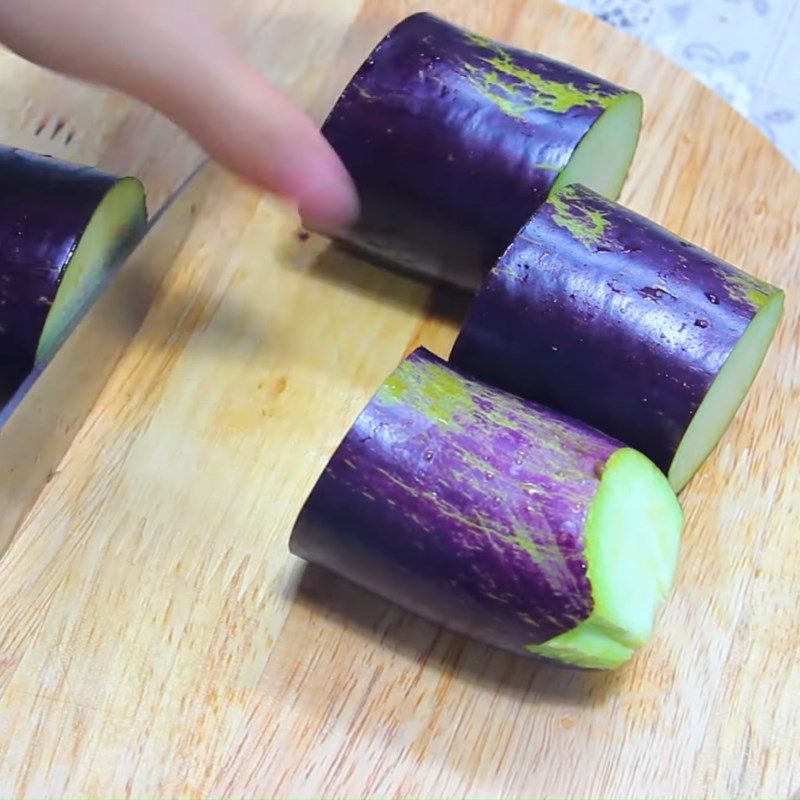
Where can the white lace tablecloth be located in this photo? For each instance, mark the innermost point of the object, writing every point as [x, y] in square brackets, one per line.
[748, 51]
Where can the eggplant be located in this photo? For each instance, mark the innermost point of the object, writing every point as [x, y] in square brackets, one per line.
[497, 518]
[61, 226]
[611, 319]
[453, 140]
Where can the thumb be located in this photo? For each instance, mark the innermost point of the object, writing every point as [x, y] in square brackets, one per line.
[172, 56]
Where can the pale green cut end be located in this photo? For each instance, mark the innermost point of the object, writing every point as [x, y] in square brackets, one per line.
[119, 218]
[602, 158]
[632, 537]
[726, 394]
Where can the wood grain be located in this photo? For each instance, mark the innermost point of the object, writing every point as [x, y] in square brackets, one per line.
[156, 639]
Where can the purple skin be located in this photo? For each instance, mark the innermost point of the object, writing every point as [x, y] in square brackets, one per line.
[461, 503]
[609, 318]
[453, 141]
[47, 205]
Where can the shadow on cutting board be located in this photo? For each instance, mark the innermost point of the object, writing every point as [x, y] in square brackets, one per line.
[339, 265]
[414, 639]
[211, 299]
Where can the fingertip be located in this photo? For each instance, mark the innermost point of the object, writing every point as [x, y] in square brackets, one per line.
[326, 195]
[277, 146]
[251, 127]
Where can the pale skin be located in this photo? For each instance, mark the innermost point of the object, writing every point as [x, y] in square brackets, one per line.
[175, 56]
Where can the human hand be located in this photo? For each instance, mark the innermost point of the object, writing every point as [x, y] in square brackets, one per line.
[174, 56]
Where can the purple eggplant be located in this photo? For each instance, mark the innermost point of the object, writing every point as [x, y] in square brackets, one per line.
[453, 140]
[600, 313]
[497, 518]
[61, 225]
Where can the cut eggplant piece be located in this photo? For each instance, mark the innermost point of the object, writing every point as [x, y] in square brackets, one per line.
[453, 140]
[63, 226]
[497, 518]
[600, 313]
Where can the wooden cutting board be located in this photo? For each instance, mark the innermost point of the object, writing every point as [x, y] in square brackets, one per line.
[156, 638]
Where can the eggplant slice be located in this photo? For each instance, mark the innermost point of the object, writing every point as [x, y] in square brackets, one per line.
[453, 140]
[62, 227]
[497, 518]
[603, 315]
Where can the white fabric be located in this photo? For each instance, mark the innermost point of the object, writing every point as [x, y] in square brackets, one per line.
[748, 51]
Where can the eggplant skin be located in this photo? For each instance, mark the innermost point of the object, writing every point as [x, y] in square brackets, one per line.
[46, 206]
[460, 503]
[453, 140]
[610, 318]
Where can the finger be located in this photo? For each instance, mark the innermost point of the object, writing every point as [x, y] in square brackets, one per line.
[174, 57]
[252, 128]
